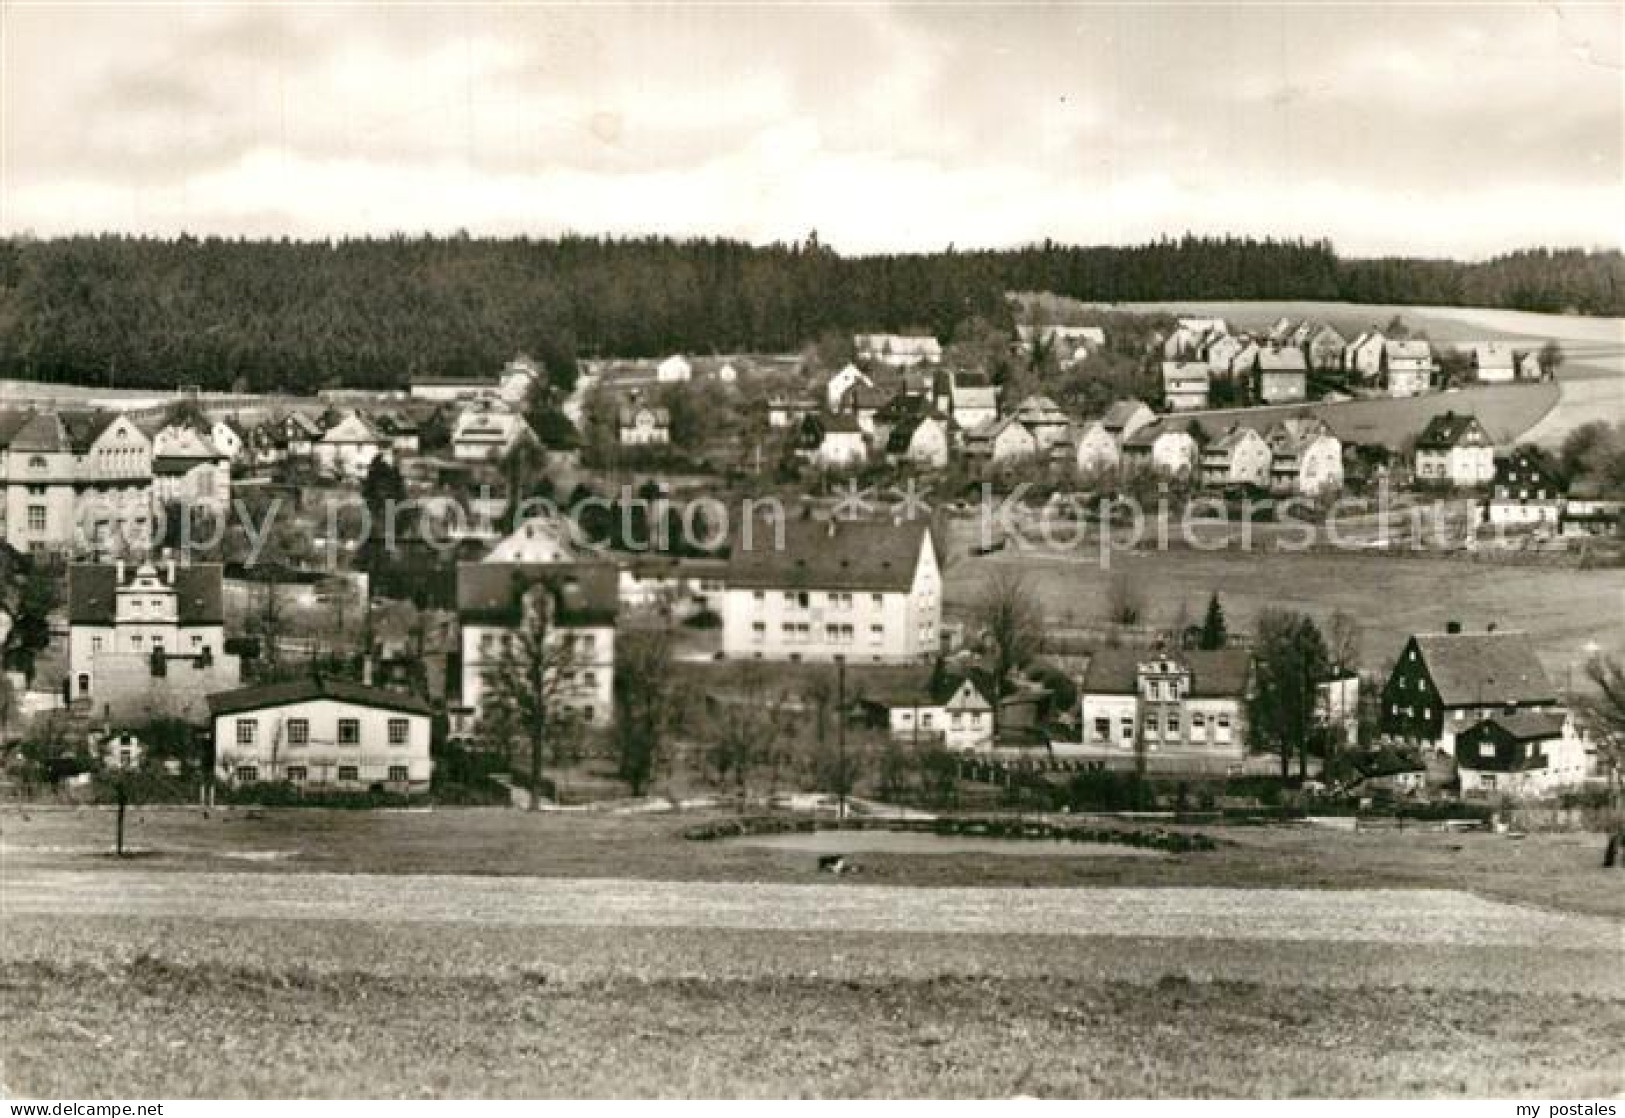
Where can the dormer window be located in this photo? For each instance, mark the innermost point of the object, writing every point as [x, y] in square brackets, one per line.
[37, 462]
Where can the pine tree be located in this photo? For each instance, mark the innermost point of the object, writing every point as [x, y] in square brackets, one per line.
[1214, 633]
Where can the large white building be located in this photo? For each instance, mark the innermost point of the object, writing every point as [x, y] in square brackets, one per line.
[1456, 450]
[495, 604]
[322, 733]
[74, 478]
[1160, 701]
[485, 433]
[190, 469]
[870, 592]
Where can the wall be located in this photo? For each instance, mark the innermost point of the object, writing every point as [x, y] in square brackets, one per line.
[322, 755]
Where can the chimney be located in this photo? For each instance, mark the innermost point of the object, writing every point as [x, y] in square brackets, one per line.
[118, 572]
[366, 668]
[1452, 626]
[1491, 627]
[830, 530]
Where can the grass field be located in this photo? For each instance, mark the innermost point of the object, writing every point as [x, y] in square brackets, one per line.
[1392, 596]
[305, 953]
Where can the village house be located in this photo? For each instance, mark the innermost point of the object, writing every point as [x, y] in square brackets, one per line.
[67, 475]
[674, 370]
[1125, 417]
[831, 442]
[788, 411]
[228, 437]
[972, 406]
[927, 707]
[1185, 385]
[1364, 356]
[1069, 343]
[1044, 418]
[897, 350]
[1494, 363]
[670, 586]
[1245, 363]
[1530, 368]
[1240, 456]
[146, 639]
[1337, 707]
[1094, 448]
[1281, 331]
[517, 379]
[863, 403]
[301, 432]
[188, 469]
[1190, 703]
[1222, 352]
[1522, 753]
[1169, 447]
[1306, 457]
[1408, 366]
[1326, 348]
[401, 430]
[1524, 491]
[1001, 443]
[1589, 510]
[579, 604]
[1443, 683]
[643, 425]
[870, 592]
[454, 389]
[841, 383]
[539, 539]
[1456, 450]
[321, 733]
[488, 433]
[266, 444]
[1283, 376]
[347, 449]
[922, 440]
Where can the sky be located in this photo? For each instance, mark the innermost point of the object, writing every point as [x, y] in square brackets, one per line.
[1445, 130]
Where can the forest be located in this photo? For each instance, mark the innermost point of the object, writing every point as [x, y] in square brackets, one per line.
[373, 312]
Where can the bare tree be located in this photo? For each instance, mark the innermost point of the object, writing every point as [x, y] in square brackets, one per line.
[1011, 624]
[1125, 601]
[747, 725]
[1602, 713]
[524, 690]
[1343, 641]
[645, 703]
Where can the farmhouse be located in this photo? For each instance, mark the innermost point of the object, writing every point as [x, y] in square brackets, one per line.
[1521, 753]
[927, 707]
[1456, 450]
[1185, 385]
[922, 440]
[841, 382]
[1364, 356]
[869, 591]
[1044, 418]
[1238, 457]
[1283, 376]
[1184, 702]
[499, 603]
[348, 448]
[1002, 442]
[1524, 492]
[1446, 682]
[973, 406]
[322, 733]
[831, 442]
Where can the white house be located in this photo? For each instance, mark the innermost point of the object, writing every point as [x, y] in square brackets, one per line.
[1184, 703]
[1306, 457]
[1185, 385]
[1455, 449]
[870, 592]
[921, 706]
[832, 442]
[347, 449]
[897, 350]
[486, 434]
[74, 477]
[228, 437]
[1409, 367]
[1283, 375]
[1002, 442]
[1094, 448]
[674, 370]
[1445, 682]
[1364, 356]
[1522, 754]
[1495, 363]
[321, 733]
[579, 601]
[1125, 417]
[517, 379]
[835, 391]
[1045, 419]
[1523, 493]
[1168, 447]
[644, 425]
[973, 406]
[920, 439]
[1238, 457]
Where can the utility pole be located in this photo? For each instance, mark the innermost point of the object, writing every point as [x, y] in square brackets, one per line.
[840, 726]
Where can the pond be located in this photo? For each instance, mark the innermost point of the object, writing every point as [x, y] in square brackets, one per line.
[913, 842]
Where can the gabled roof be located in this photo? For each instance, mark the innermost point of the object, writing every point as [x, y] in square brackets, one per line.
[85, 427]
[1181, 372]
[584, 594]
[980, 397]
[902, 433]
[1147, 436]
[1448, 430]
[1408, 351]
[1493, 355]
[34, 430]
[1285, 359]
[1040, 409]
[1526, 725]
[1220, 673]
[830, 555]
[889, 686]
[354, 428]
[629, 415]
[93, 592]
[1484, 669]
[1230, 440]
[312, 689]
[1118, 415]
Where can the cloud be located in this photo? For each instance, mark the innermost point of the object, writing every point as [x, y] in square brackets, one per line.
[1465, 130]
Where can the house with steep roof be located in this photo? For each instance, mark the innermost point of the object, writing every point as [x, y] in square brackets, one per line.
[920, 439]
[1530, 368]
[1589, 509]
[643, 425]
[1169, 446]
[1094, 448]
[488, 433]
[1125, 417]
[1443, 683]
[229, 437]
[1455, 450]
[540, 539]
[972, 406]
[831, 441]
[1525, 492]
[1364, 357]
[71, 477]
[1222, 352]
[1522, 753]
[1283, 375]
[517, 379]
[1325, 348]
[1306, 457]
[674, 370]
[1185, 385]
[924, 706]
[1183, 703]
[497, 603]
[146, 640]
[1245, 362]
[866, 591]
[1044, 418]
[1494, 363]
[401, 430]
[322, 733]
[1002, 442]
[1408, 367]
[347, 449]
[1240, 456]
[840, 383]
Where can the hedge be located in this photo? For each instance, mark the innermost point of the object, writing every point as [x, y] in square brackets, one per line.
[1176, 842]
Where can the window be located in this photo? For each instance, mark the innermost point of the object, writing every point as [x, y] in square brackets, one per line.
[1103, 728]
[758, 631]
[349, 773]
[349, 731]
[397, 731]
[876, 633]
[875, 600]
[36, 518]
[95, 644]
[1198, 722]
[298, 774]
[926, 719]
[1173, 725]
[1486, 749]
[247, 731]
[298, 731]
[399, 774]
[247, 774]
[586, 714]
[84, 683]
[1127, 732]
[37, 462]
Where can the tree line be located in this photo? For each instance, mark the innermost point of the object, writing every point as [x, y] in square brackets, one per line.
[284, 315]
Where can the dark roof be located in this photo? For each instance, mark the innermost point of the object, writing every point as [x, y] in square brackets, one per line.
[830, 554]
[32, 430]
[93, 588]
[1448, 430]
[886, 685]
[85, 427]
[310, 689]
[584, 594]
[1220, 673]
[1120, 413]
[902, 434]
[1480, 669]
[1524, 725]
[1285, 360]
